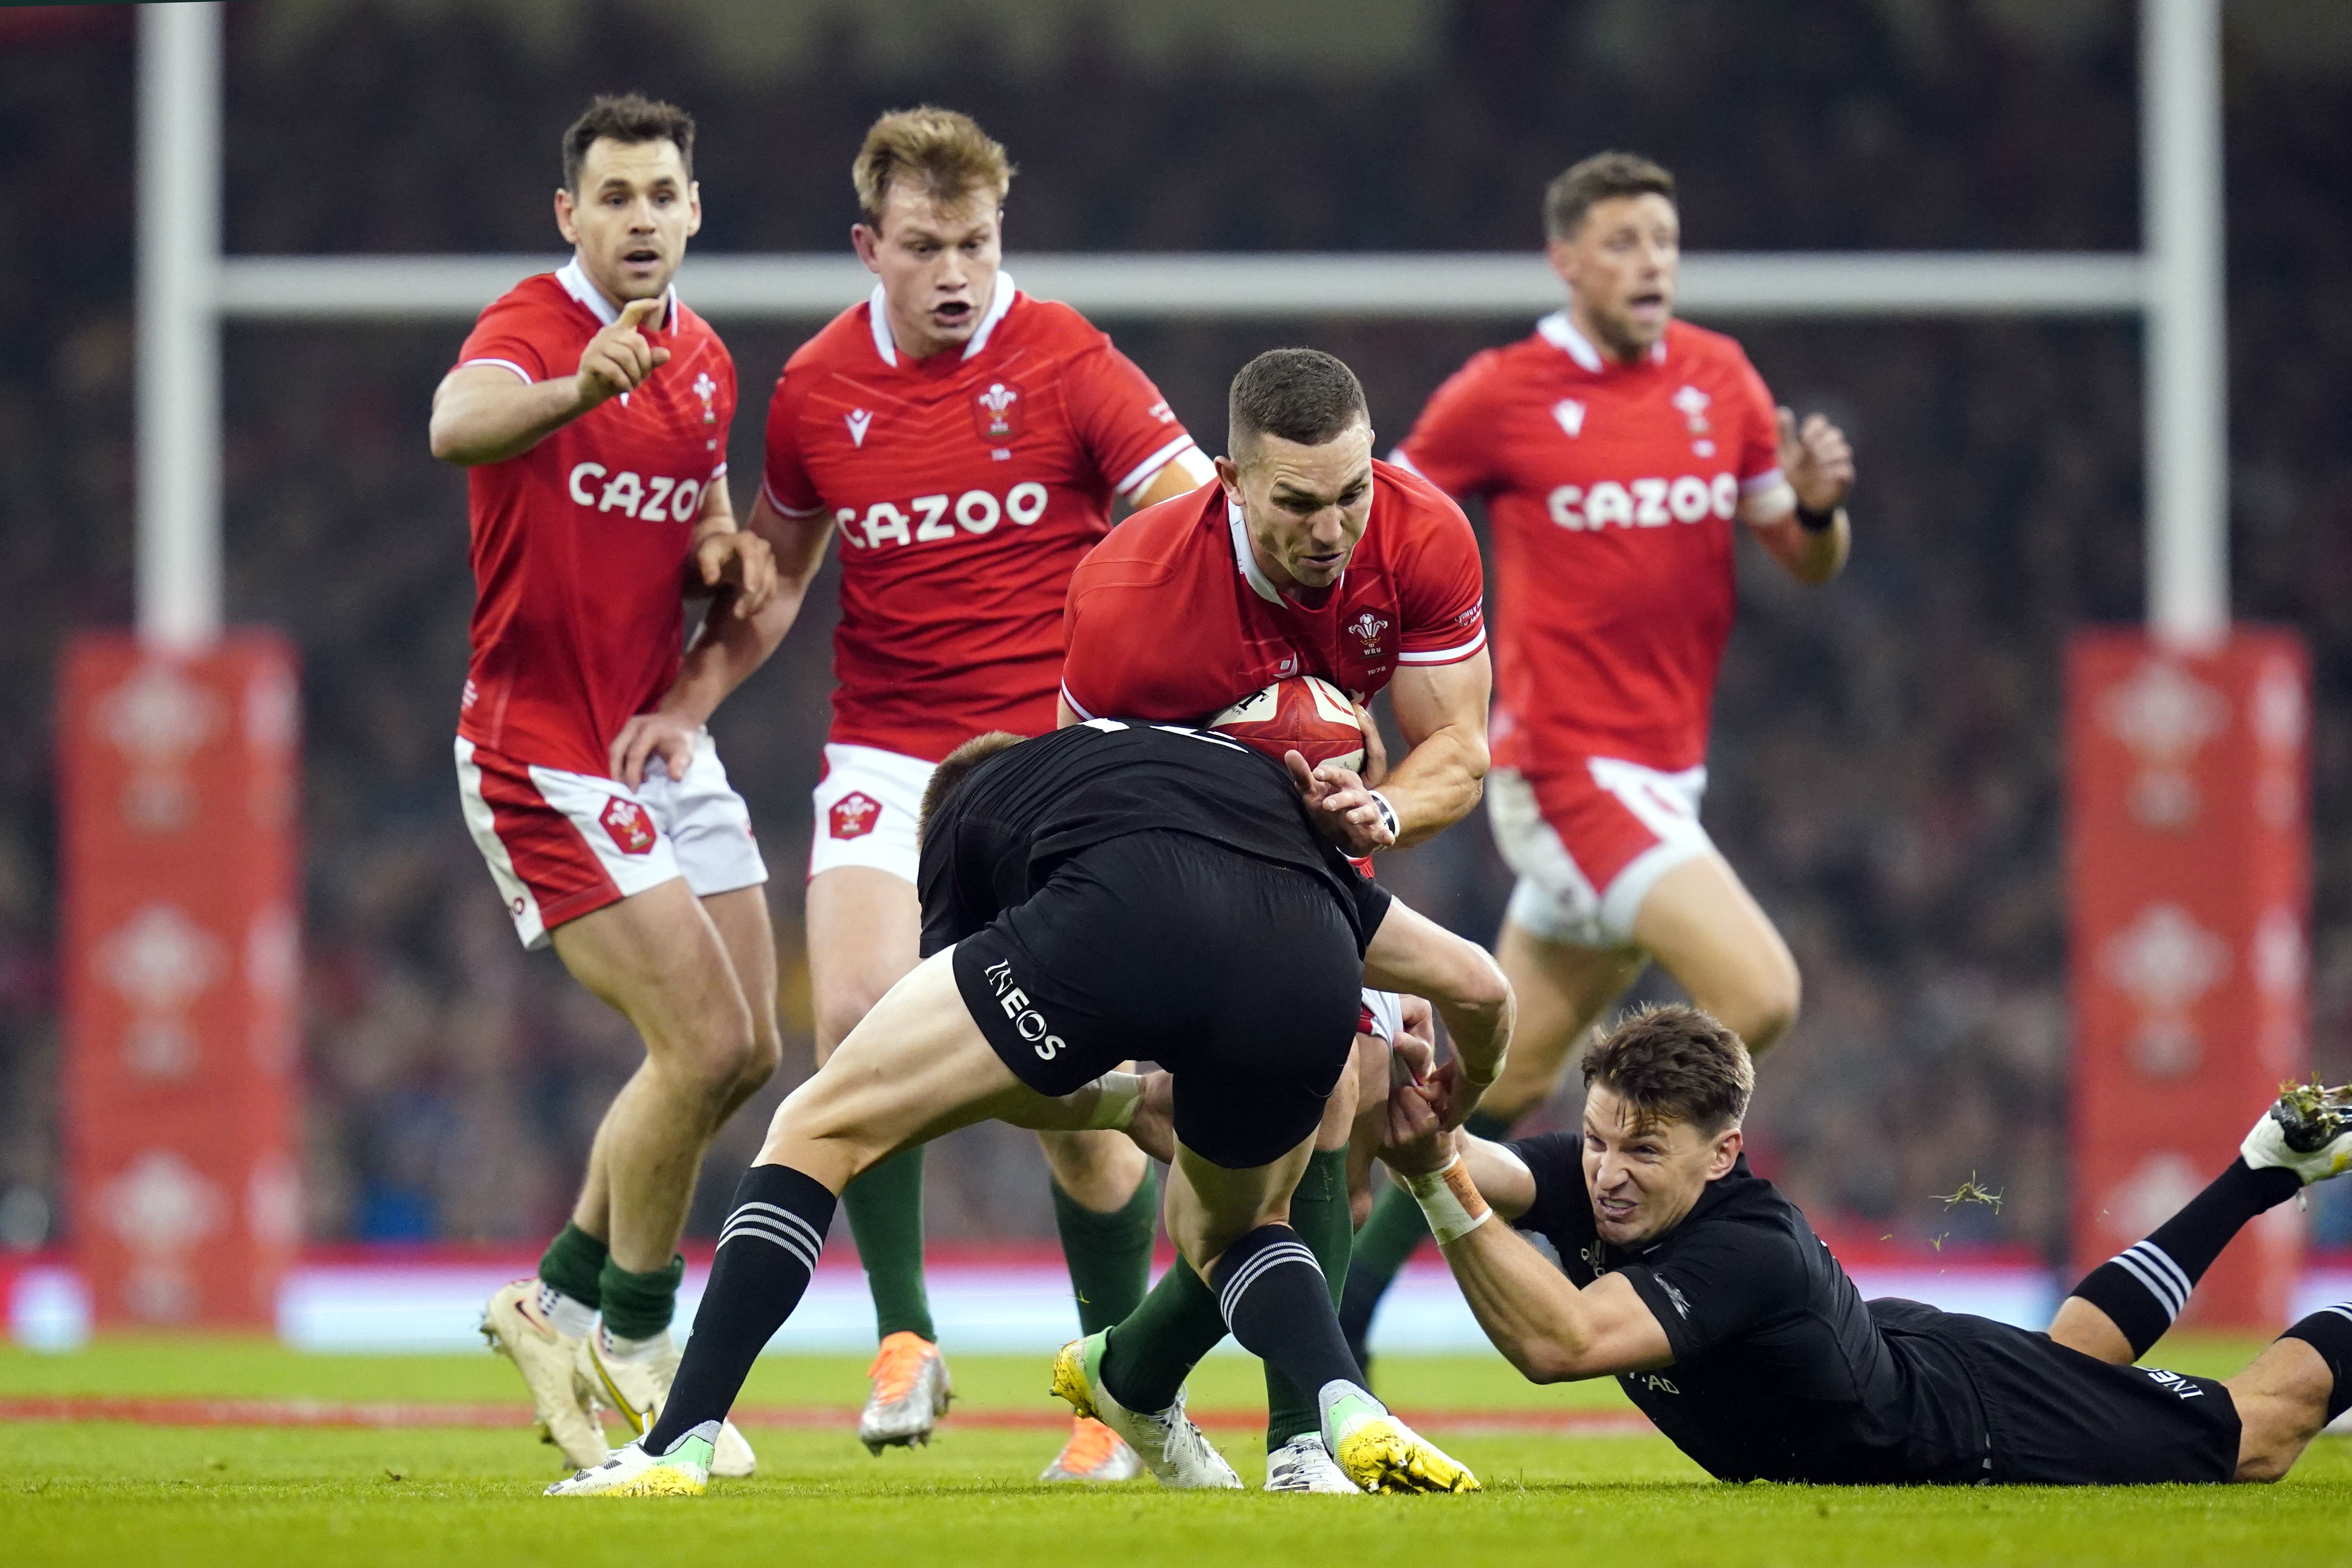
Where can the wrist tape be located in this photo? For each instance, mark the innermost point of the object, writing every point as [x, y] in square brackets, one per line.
[1449, 1200]
[1121, 1093]
[1388, 815]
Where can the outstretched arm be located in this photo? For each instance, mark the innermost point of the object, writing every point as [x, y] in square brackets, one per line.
[1544, 1326]
[1411, 952]
[483, 413]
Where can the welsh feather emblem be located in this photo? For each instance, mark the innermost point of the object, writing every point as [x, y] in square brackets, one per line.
[632, 829]
[996, 411]
[852, 816]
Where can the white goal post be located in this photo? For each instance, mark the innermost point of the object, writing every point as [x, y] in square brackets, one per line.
[188, 290]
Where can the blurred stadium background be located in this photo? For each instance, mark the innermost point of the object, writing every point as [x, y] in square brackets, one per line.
[1886, 769]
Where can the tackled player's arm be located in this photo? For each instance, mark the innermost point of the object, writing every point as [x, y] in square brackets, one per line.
[1441, 709]
[1544, 1325]
[730, 646]
[1817, 470]
[487, 413]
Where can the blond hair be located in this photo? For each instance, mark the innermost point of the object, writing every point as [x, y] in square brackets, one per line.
[947, 152]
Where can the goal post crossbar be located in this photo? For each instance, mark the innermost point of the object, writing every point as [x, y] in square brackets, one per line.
[1434, 285]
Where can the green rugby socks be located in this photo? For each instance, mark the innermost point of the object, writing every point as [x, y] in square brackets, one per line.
[1110, 1254]
[885, 1216]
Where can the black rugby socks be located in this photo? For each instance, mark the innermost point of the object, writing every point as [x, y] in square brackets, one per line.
[2142, 1288]
[2329, 1331]
[766, 1254]
[1275, 1299]
[1319, 1212]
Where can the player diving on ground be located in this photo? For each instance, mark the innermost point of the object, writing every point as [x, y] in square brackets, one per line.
[1705, 1293]
[1107, 890]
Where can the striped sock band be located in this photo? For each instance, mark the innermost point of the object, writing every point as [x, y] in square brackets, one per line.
[1274, 1298]
[2145, 1286]
[767, 1250]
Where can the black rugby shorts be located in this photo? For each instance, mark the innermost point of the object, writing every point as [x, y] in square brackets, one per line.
[2057, 1416]
[1240, 976]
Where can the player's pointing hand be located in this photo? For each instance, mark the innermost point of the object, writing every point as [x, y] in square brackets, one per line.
[1816, 461]
[618, 359]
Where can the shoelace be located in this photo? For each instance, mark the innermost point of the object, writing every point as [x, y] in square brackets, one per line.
[897, 1365]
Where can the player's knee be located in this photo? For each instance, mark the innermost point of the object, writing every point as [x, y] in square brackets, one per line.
[1763, 1006]
[841, 1008]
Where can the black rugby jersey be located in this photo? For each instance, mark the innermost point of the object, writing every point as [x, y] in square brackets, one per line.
[1782, 1371]
[1027, 809]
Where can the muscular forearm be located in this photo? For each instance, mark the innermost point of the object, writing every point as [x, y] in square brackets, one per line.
[728, 649]
[496, 418]
[1437, 783]
[1527, 1308]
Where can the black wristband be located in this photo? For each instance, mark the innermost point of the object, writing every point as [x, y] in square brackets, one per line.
[1813, 521]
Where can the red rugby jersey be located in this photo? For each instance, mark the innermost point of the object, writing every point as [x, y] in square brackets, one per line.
[1613, 490]
[580, 544]
[1170, 618]
[965, 487]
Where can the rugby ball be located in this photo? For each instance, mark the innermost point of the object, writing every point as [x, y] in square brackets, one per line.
[1304, 713]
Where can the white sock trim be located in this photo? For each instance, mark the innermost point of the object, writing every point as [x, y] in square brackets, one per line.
[572, 1319]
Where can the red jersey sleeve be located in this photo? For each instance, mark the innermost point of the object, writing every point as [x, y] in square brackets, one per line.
[1440, 584]
[782, 477]
[515, 334]
[1451, 444]
[1092, 665]
[1127, 426]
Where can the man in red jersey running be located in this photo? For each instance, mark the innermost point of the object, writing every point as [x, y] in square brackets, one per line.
[965, 441]
[1307, 558]
[590, 408]
[1615, 448]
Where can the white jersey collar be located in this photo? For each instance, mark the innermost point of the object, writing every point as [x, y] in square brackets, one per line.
[575, 283]
[1247, 558]
[878, 316]
[1561, 332]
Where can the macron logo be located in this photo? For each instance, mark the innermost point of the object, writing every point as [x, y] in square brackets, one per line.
[1570, 415]
[857, 419]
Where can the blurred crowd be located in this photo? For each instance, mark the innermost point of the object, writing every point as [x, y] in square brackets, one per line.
[1884, 767]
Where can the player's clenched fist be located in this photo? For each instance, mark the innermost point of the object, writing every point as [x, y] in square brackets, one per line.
[618, 359]
[1816, 461]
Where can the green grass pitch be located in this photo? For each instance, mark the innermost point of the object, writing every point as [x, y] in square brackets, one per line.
[119, 1494]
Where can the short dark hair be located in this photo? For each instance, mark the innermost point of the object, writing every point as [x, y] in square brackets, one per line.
[1299, 395]
[1602, 177]
[955, 767]
[627, 117]
[1675, 1063]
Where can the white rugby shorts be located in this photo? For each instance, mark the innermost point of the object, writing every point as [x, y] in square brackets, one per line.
[560, 845]
[1585, 865]
[868, 805]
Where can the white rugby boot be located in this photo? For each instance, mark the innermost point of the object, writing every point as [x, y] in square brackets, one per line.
[1381, 1453]
[549, 1360]
[1094, 1453]
[1176, 1452]
[1305, 1464]
[2308, 1131]
[912, 1391]
[684, 1471]
[637, 1389]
